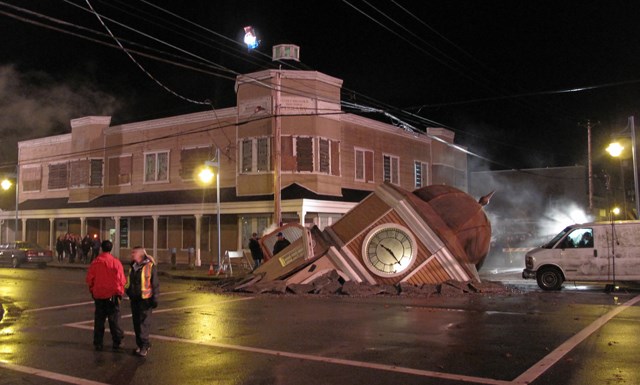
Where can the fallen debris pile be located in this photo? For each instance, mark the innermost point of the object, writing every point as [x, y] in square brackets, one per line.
[333, 284]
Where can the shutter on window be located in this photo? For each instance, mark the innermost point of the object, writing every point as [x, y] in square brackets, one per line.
[335, 158]
[58, 176]
[288, 160]
[191, 159]
[304, 154]
[368, 166]
[119, 171]
[325, 160]
[95, 180]
[31, 178]
[79, 173]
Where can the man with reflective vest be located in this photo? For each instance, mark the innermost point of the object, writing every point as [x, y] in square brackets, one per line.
[142, 288]
[106, 280]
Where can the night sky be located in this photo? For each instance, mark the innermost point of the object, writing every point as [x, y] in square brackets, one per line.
[484, 49]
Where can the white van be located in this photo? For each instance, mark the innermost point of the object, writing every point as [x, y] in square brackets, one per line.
[586, 253]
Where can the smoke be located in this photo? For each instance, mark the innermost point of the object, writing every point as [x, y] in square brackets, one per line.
[529, 207]
[33, 104]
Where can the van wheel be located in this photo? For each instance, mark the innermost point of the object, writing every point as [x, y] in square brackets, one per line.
[15, 262]
[549, 278]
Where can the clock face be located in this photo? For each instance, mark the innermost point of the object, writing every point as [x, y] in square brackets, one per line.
[389, 250]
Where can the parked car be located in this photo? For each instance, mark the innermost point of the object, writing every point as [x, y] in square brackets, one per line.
[20, 253]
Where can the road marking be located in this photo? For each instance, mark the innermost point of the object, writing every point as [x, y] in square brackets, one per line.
[308, 357]
[57, 307]
[83, 303]
[50, 375]
[80, 323]
[556, 355]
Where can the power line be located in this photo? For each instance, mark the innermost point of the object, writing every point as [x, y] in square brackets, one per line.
[414, 117]
[140, 65]
[526, 94]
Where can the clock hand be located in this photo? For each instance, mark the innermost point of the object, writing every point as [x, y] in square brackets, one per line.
[390, 252]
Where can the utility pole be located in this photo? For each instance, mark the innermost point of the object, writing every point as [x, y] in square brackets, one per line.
[632, 127]
[277, 153]
[590, 166]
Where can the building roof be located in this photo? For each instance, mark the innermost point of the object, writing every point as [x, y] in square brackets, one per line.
[178, 197]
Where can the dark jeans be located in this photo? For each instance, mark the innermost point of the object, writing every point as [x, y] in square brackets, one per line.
[110, 310]
[141, 314]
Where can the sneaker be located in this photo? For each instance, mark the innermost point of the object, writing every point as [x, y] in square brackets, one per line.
[98, 348]
[136, 351]
[117, 347]
[143, 352]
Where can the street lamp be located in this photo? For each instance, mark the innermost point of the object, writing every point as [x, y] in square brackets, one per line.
[6, 184]
[615, 211]
[205, 177]
[615, 149]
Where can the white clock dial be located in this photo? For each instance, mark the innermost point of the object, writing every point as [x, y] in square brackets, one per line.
[389, 250]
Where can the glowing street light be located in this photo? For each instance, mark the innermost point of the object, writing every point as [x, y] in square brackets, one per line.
[250, 38]
[615, 149]
[6, 184]
[206, 175]
[615, 211]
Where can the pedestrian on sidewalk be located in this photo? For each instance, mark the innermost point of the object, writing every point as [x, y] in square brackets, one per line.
[143, 289]
[256, 250]
[106, 281]
[95, 246]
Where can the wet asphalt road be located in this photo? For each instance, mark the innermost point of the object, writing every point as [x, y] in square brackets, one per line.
[204, 338]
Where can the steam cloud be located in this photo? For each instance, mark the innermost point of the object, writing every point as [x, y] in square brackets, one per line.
[33, 105]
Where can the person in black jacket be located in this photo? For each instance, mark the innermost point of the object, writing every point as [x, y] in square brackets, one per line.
[281, 244]
[142, 288]
[256, 250]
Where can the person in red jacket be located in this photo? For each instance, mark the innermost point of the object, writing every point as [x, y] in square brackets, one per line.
[106, 282]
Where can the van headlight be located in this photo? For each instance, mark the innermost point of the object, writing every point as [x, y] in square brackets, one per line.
[528, 262]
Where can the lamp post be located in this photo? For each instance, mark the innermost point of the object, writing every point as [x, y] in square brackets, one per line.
[615, 149]
[206, 176]
[6, 185]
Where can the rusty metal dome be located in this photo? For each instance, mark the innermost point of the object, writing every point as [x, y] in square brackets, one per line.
[467, 226]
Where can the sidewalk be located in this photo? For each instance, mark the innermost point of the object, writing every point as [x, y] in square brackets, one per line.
[164, 269]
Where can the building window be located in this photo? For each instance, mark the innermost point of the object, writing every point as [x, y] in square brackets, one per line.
[124, 233]
[95, 179]
[329, 156]
[252, 224]
[421, 172]
[188, 233]
[304, 154]
[156, 166]
[119, 170]
[191, 159]
[85, 172]
[256, 155]
[163, 233]
[391, 169]
[204, 233]
[263, 154]
[364, 165]
[58, 176]
[31, 178]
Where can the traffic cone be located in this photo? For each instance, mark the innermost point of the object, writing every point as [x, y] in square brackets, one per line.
[210, 269]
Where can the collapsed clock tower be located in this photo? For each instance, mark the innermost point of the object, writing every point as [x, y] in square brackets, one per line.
[432, 235]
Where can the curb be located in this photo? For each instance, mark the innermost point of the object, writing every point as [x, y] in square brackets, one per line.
[187, 277]
[161, 273]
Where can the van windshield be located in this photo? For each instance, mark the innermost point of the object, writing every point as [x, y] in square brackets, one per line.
[551, 243]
